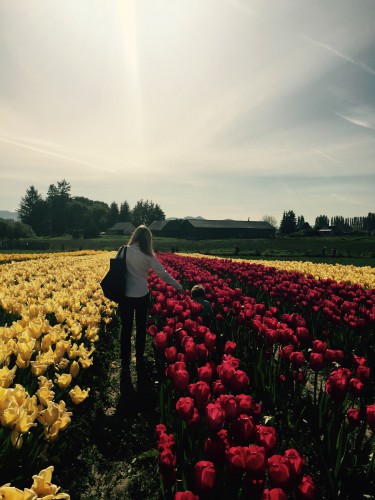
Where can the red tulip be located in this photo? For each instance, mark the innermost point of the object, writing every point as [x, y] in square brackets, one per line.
[180, 380]
[279, 471]
[255, 460]
[235, 457]
[296, 462]
[215, 417]
[230, 347]
[229, 404]
[316, 361]
[185, 408]
[274, 494]
[205, 373]
[205, 475]
[161, 341]
[297, 359]
[363, 373]
[266, 436]
[170, 354]
[239, 382]
[353, 416]
[355, 386]
[202, 394]
[306, 490]
[244, 403]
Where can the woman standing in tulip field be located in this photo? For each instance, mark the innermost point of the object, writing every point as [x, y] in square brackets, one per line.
[140, 258]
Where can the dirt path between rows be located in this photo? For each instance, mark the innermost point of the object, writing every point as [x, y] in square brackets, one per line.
[117, 457]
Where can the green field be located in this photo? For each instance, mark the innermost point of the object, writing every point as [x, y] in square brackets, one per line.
[355, 250]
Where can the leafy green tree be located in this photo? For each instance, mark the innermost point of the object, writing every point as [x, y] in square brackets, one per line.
[13, 230]
[288, 223]
[145, 212]
[99, 215]
[300, 222]
[78, 214]
[369, 223]
[321, 222]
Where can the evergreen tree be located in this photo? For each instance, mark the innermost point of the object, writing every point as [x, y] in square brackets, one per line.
[125, 214]
[32, 211]
[57, 200]
[288, 223]
[114, 214]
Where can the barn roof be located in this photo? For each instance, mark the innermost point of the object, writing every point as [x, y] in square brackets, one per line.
[157, 225]
[228, 223]
[122, 226]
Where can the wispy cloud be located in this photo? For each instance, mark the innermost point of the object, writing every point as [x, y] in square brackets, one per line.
[324, 155]
[28, 144]
[353, 60]
[361, 122]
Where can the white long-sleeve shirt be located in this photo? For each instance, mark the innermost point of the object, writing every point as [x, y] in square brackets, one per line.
[137, 267]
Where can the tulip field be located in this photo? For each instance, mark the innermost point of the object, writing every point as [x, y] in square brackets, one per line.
[274, 398]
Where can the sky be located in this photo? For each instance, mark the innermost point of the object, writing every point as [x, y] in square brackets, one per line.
[219, 108]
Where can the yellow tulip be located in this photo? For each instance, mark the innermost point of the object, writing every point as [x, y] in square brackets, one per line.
[46, 342]
[74, 369]
[26, 349]
[25, 421]
[45, 395]
[8, 492]
[50, 414]
[78, 395]
[64, 415]
[10, 414]
[4, 398]
[43, 487]
[7, 376]
[21, 363]
[19, 393]
[63, 380]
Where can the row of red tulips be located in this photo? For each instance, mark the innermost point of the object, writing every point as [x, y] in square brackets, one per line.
[277, 365]
[349, 306]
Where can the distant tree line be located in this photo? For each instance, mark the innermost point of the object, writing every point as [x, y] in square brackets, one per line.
[60, 213]
[290, 224]
[13, 230]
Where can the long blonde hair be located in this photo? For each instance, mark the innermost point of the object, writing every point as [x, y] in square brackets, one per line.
[143, 236]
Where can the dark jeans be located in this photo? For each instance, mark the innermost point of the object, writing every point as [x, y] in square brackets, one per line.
[128, 307]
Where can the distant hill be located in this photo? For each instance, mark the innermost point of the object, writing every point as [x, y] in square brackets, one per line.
[5, 214]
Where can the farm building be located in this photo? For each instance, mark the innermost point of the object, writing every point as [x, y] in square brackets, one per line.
[121, 228]
[201, 229]
[166, 228]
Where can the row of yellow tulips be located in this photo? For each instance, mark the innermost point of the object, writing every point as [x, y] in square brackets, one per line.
[53, 308]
